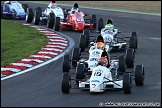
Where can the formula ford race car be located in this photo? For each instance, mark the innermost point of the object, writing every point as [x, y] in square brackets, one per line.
[47, 17]
[109, 42]
[13, 9]
[102, 78]
[119, 61]
[78, 21]
[116, 42]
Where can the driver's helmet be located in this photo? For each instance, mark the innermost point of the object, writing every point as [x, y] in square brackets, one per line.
[8, 2]
[76, 5]
[109, 21]
[53, 5]
[100, 45]
[103, 61]
[109, 27]
[73, 10]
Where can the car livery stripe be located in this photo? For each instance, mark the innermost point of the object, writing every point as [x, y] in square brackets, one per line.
[57, 44]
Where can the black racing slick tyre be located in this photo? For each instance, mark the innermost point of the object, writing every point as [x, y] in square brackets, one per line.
[25, 6]
[36, 17]
[66, 63]
[127, 83]
[82, 42]
[50, 21]
[87, 34]
[75, 56]
[66, 82]
[134, 34]
[57, 24]
[29, 15]
[130, 58]
[93, 20]
[132, 43]
[39, 9]
[80, 72]
[100, 24]
[122, 64]
[139, 75]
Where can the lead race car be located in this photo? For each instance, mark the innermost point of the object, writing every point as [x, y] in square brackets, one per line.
[13, 9]
[47, 17]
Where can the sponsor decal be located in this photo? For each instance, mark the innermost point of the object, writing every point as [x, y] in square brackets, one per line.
[95, 81]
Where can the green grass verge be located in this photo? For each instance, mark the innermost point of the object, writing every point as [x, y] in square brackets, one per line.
[19, 41]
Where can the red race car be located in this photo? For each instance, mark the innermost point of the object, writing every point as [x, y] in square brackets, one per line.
[76, 21]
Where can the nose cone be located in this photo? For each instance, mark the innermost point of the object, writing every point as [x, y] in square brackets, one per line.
[95, 87]
[80, 27]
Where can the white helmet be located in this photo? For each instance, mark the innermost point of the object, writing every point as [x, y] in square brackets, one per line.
[53, 5]
[109, 27]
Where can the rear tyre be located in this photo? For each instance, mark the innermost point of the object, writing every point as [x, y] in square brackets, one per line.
[66, 63]
[132, 43]
[93, 20]
[87, 34]
[40, 10]
[25, 6]
[82, 43]
[57, 24]
[100, 24]
[134, 34]
[139, 75]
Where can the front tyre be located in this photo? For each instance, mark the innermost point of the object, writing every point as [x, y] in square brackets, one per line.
[66, 83]
[29, 15]
[50, 21]
[36, 17]
[127, 83]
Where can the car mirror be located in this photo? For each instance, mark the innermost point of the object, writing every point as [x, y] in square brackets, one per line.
[92, 43]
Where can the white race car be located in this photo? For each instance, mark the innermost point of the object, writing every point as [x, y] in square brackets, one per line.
[107, 46]
[116, 62]
[111, 44]
[102, 79]
[118, 43]
[47, 17]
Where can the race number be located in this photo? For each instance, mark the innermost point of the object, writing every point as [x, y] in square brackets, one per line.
[98, 72]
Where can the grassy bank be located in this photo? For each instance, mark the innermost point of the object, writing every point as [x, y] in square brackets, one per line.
[139, 6]
[19, 41]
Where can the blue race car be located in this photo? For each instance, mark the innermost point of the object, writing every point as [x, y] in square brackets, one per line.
[13, 9]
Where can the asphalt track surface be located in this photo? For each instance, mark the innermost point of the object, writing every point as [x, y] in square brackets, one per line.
[42, 87]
